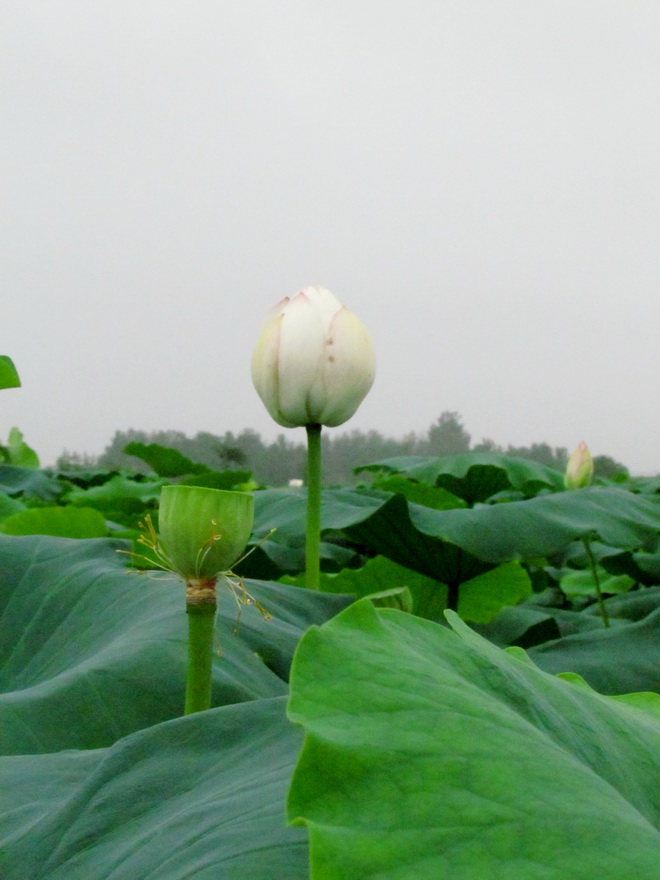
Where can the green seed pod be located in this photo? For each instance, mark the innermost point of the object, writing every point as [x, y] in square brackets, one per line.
[204, 531]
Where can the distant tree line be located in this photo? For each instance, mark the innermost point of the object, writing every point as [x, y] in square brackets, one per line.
[275, 463]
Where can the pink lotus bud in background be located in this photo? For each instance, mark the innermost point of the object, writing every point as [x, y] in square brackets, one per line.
[580, 468]
[314, 361]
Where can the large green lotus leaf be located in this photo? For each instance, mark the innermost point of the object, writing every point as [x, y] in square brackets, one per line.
[484, 596]
[285, 509]
[167, 462]
[379, 520]
[632, 606]
[430, 753]
[543, 525]
[239, 481]
[419, 493]
[617, 660]
[90, 653]
[164, 461]
[474, 476]
[643, 567]
[530, 623]
[8, 375]
[524, 625]
[201, 796]
[28, 482]
[380, 575]
[20, 453]
[582, 583]
[84, 479]
[122, 492]
[392, 532]
[645, 485]
[451, 545]
[270, 559]
[648, 565]
[67, 522]
[9, 506]
[480, 599]
[124, 499]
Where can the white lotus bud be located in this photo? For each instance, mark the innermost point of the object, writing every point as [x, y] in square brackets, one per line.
[580, 468]
[314, 361]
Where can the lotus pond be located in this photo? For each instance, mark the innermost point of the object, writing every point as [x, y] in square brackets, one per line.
[451, 703]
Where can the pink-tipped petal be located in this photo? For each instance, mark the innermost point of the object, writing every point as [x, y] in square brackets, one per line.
[301, 347]
[326, 303]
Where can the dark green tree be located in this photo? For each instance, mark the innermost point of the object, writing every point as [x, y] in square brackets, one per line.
[486, 445]
[608, 468]
[447, 436]
[76, 461]
[275, 463]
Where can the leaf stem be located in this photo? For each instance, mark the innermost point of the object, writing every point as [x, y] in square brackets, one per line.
[594, 573]
[312, 563]
[452, 596]
[201, 609]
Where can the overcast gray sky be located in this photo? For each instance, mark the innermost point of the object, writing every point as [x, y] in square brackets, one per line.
[478, 181]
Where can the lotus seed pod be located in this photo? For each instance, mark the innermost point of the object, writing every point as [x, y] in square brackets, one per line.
[204, 531]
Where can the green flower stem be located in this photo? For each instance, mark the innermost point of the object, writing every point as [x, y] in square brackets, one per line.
[312, 562]
[594, 572]
[201, 609]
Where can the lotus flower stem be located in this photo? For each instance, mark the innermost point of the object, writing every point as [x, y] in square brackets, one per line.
[312, 563]
[594, 573]
[201, 609]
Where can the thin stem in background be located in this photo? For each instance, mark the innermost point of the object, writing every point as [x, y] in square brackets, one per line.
[594, 572]
[312, 563]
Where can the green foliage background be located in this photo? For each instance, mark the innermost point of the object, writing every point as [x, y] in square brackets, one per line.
[410, 750]
[275, 463]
